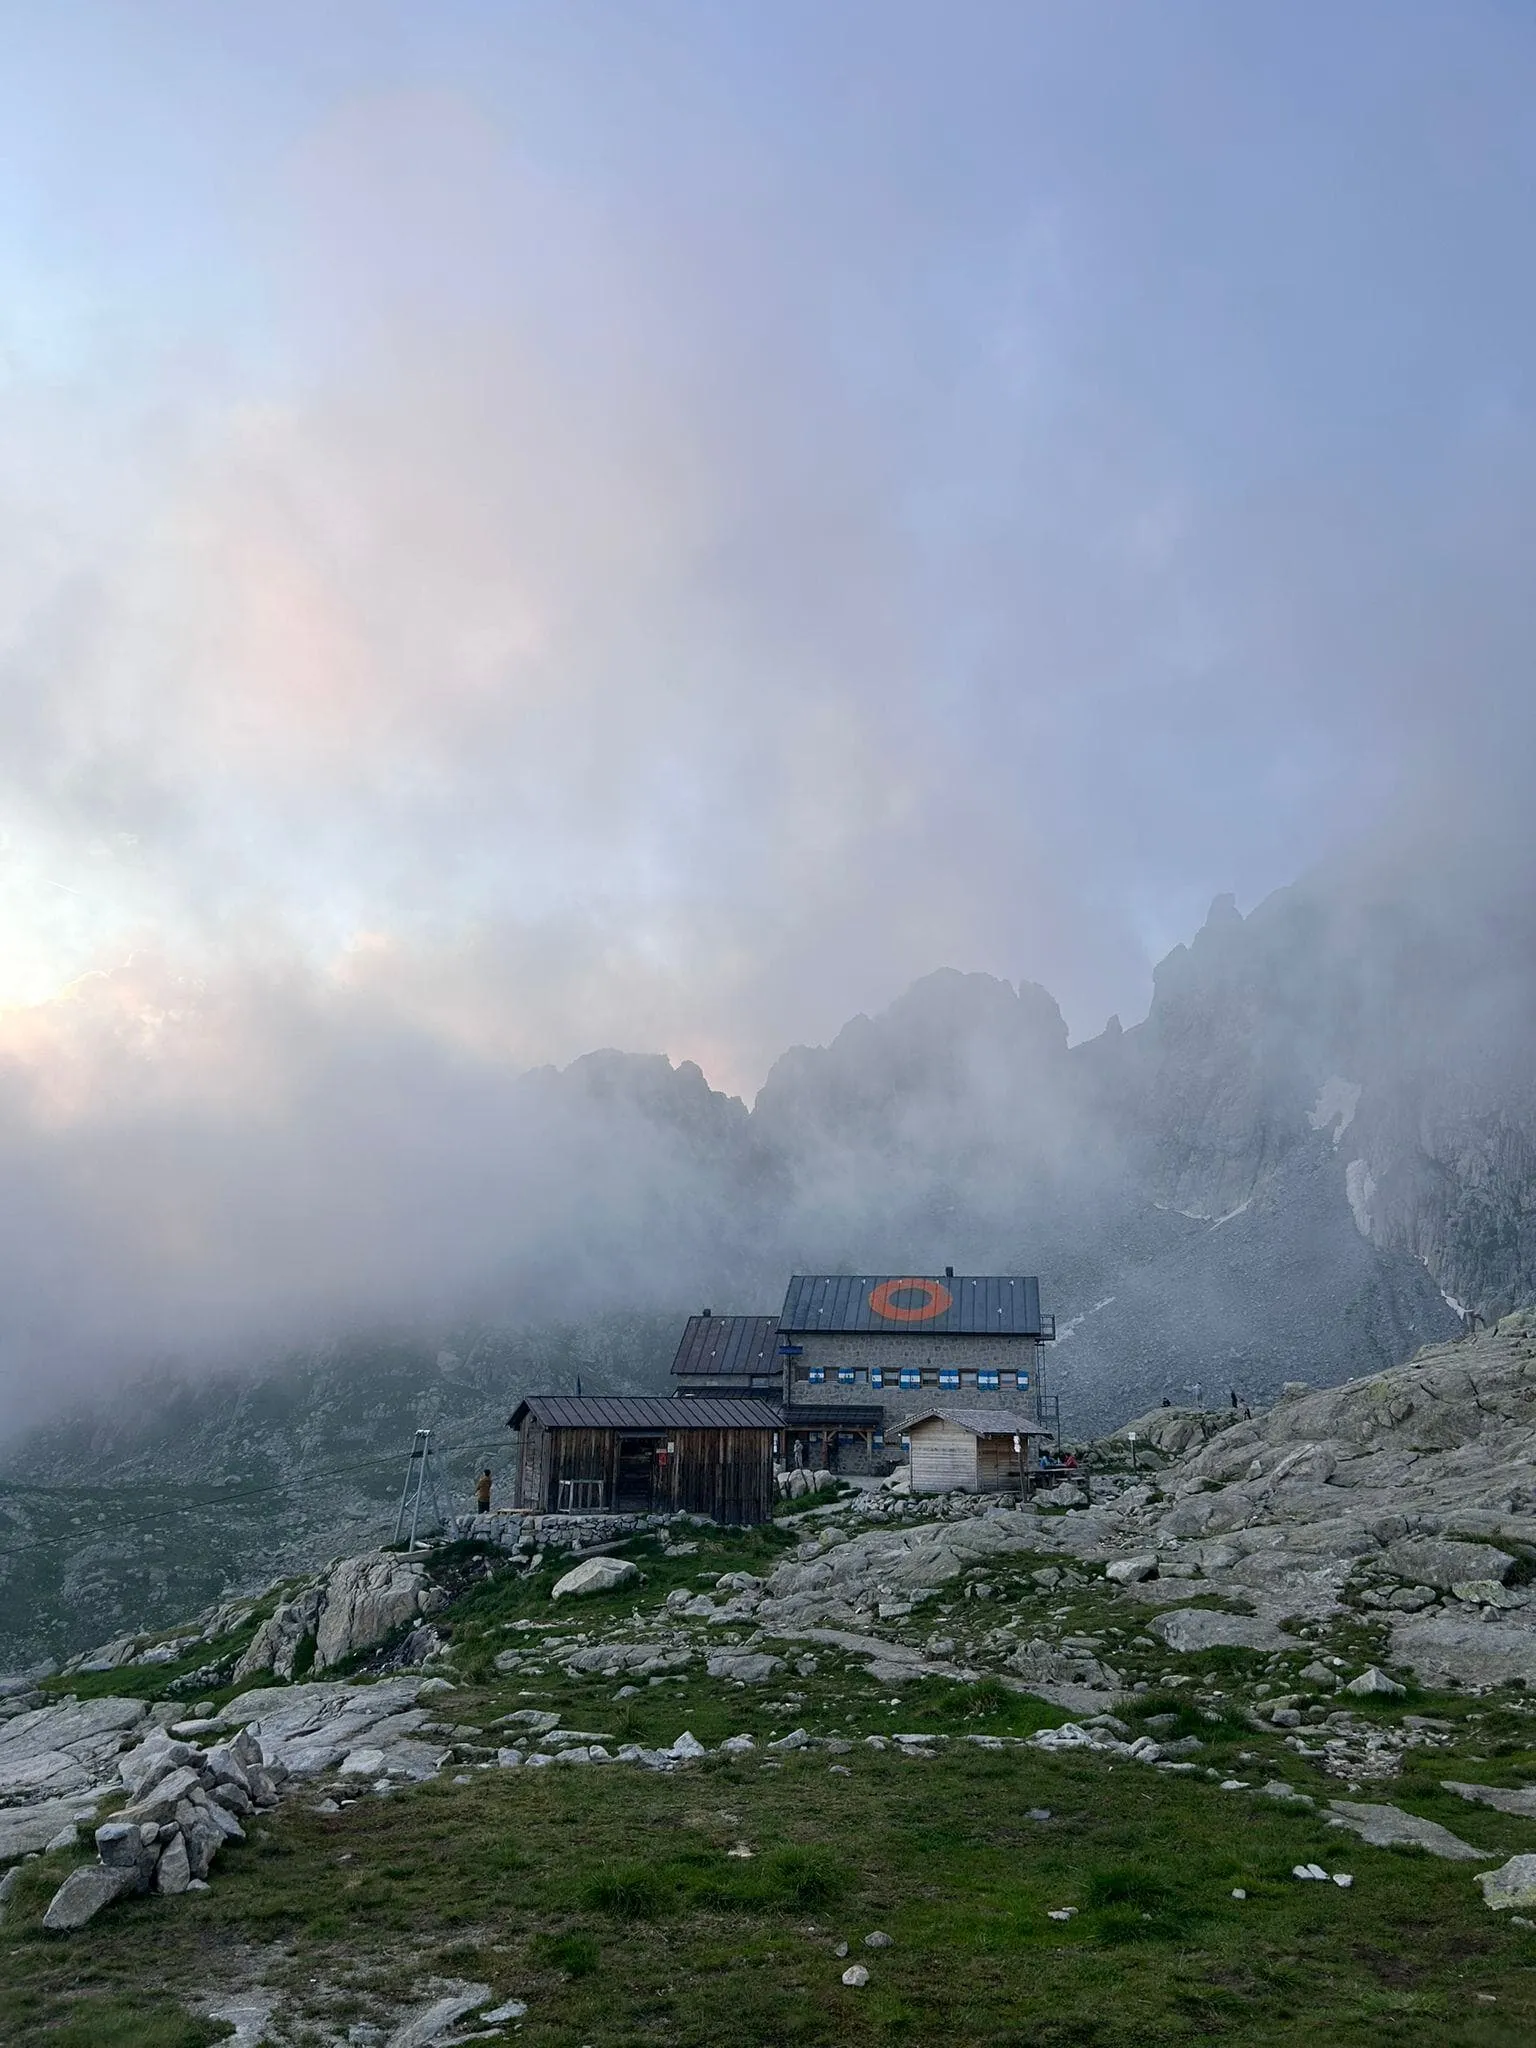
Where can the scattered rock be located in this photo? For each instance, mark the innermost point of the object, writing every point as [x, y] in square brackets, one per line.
[1189, 1629]
[1131, 1571]
[751, 1666]
[1521, 1802]
[878, 1940]
[1442, 1650]
[1512, 1884]
[1388, 1827]
[120, 1844]
[173, 1873]
[83, 1894]
[856, 1977]
[1374, 1683]
[427, 2026]
[595, 1575]
[1443, 1563]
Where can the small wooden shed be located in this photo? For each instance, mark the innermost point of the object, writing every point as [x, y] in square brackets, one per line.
[973, 1451]
[641, 1454]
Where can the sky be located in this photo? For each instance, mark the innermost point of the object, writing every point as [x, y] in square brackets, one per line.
[552, 526]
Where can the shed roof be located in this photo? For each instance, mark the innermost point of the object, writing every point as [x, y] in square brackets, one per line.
[728, 1346]
[979, 1421]
[662, 1414]
[832, 1415]
[915, 1303]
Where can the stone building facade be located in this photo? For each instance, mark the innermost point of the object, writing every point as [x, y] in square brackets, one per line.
[849, 1358]
[900, 1344]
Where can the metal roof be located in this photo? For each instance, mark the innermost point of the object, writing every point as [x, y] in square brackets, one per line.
[729, 1346]
[832, 1415]
[915, 1305]
[979, 1421]
[661, 1414]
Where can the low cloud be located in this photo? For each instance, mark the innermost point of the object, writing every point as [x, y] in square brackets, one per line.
[515, 544]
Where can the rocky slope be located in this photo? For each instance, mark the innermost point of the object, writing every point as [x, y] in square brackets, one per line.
[160, 1499]
[1325, 1609]
[1408, 1499]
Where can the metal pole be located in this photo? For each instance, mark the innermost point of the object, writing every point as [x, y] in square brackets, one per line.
[426, 1452]
[410, 1466]
[437, 1505]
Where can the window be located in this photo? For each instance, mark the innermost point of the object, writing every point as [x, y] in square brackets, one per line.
[877, 1376]
[817, 1374]
[846, 1376]
[1021, 1381]
[989, 1382]
[910, 1376]
[948, 1376]
[879, 1439]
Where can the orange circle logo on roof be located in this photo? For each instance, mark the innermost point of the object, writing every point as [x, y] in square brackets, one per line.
[935, 1300]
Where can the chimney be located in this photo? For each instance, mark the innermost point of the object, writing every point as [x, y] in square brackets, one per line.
[949, 1272]
[706, 1312]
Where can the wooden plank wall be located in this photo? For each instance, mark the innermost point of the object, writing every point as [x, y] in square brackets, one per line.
[999, 1467]
[532, 1446]
[943, 1458]
[726, 1473]
[581, 1454]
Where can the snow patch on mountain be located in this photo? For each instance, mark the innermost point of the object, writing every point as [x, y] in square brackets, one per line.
[1337, 1101]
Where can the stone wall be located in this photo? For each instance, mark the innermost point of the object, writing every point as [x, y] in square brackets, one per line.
[890, 1354]
[530, 1532]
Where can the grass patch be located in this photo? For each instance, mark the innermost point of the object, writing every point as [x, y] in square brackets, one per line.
[135, 2022]
[573, 1955]
[611, 1900]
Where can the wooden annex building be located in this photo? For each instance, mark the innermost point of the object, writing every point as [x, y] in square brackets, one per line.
[974, 1451]
[639, 1454]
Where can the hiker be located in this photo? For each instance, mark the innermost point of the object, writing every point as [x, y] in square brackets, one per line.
[483, 1492]
[1166, 1402]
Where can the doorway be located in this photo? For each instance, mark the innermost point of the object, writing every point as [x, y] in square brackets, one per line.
[635, 1483]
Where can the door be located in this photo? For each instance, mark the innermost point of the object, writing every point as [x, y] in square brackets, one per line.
[634, 1491]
